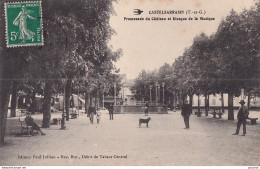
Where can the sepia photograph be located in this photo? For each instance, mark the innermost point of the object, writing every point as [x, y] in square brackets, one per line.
[129, 83]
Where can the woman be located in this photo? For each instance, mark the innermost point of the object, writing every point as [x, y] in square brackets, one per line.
[25, 34]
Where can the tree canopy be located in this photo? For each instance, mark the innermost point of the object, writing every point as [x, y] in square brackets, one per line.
[226, 61]
[76, 37]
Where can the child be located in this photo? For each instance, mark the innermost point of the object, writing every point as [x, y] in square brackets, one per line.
[98, 115]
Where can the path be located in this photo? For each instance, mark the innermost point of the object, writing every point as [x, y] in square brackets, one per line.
[165, 142]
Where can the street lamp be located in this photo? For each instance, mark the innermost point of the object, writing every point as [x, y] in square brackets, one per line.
[156, 94]
[242, 94]
[163, 91]
[103, 99]
[123, 96]
[78, 83]
[174, 101]
[115, 93]
[150, 92]
[159, 95]
[63, 126]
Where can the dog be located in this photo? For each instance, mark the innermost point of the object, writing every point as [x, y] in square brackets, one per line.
[144, 121]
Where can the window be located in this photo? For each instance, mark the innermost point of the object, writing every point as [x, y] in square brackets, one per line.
[213, 101]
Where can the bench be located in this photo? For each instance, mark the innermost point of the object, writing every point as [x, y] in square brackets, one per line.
[198, 114]
[28, 129]
[74, 115]
[57, 121]
[214, 113]
[220, 115]
[253, 120]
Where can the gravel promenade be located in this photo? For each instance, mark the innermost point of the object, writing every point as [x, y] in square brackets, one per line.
[208, 142]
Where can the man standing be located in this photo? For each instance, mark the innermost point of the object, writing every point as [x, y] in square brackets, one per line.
[111, 111]
[185, 112]
[146, 109]
[91, 112]
[241, 117]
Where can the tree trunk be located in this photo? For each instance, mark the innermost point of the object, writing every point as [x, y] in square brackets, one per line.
[5, 90]
[100, 100]
[230, 107]
[191, 100]
[67, 98]
[222, 102]
[173, 101]
[90, 99]
[248, 101]
[33, 105]
[199, 103]
[206, 105]
[47, 104]
[179, 100]
[183, 100]
[96, 100]
[87, 96]
[14, 99]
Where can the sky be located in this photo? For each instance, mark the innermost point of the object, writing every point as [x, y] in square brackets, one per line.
[147, 45]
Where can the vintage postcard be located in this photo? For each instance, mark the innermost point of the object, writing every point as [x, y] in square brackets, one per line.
[129, 83]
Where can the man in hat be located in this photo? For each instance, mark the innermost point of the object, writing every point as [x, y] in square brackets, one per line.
[185, 112]
[91, 112]
[241, 117]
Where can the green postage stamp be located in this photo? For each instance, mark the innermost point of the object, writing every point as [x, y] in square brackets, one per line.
[23, 23]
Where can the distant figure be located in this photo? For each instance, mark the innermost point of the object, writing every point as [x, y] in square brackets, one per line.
[241, 117]
[98, 115]
[30, 122]
[111, 111]
[28, 104]
[185, 112]
[91, 112]
[146, 109]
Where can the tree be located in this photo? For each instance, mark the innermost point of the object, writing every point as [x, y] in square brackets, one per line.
[165, 73]
[141, 87]
[238, 56]
[74, 32]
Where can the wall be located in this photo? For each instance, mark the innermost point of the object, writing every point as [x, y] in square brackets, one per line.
[215, 100]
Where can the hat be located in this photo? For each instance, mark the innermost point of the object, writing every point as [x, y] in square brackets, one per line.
[242, 101]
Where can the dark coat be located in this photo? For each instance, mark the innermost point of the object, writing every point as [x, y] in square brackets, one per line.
[110, 109]
[30, 122]
[242, 113]
[91, 109]
[186, 110]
